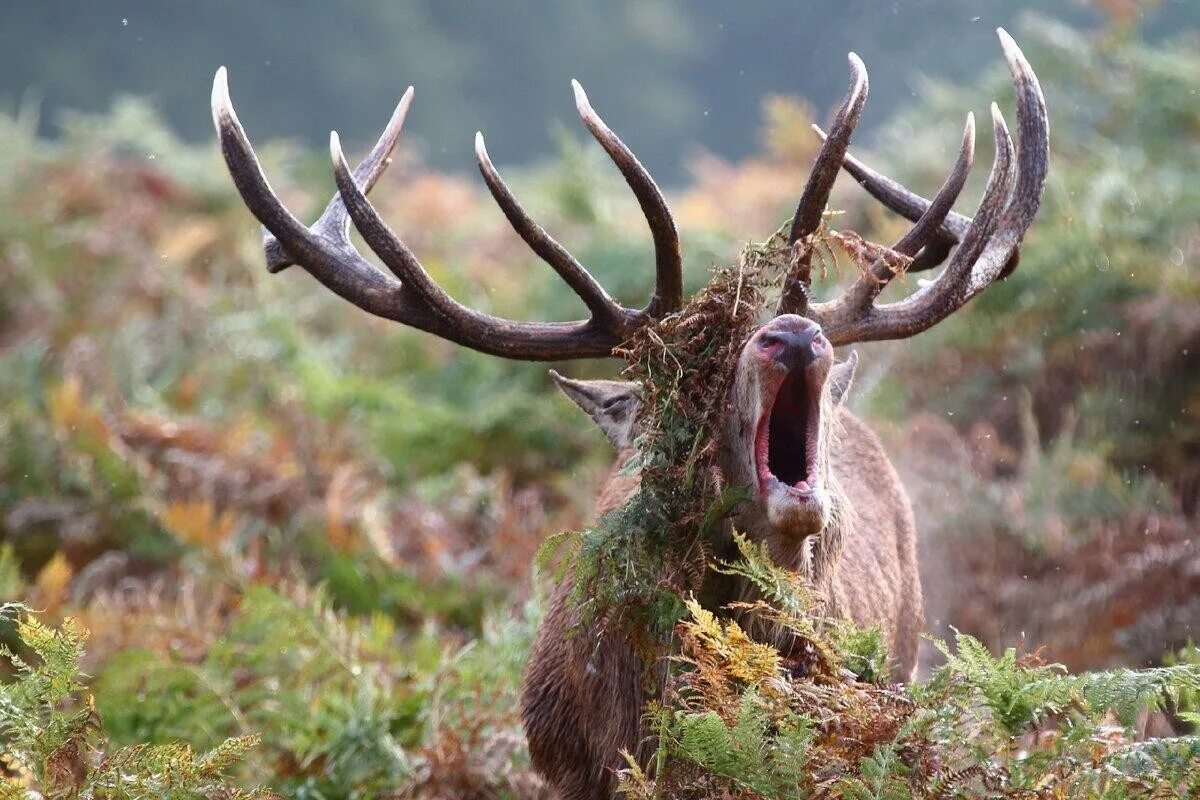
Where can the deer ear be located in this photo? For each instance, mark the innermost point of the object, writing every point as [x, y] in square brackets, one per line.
[840, 377]
[612, 404]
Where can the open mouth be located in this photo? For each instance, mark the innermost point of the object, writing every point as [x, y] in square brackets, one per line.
[786, 439]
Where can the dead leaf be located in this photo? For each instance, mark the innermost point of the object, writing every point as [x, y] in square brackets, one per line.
[52, 581]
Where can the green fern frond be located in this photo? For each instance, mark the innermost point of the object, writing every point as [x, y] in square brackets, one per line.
[1126, 692]
[559, 550]
[780, 586]
[1017, 695]
[863, 650]
[51, 733]
[1173, 760]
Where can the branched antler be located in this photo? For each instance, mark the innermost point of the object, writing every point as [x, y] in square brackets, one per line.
[981, 249]
[410, 296]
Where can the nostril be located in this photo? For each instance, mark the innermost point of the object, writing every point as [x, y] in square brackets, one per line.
[771, 339]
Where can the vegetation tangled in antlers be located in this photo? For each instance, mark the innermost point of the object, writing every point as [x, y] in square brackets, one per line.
[651, 552]
[655, 547]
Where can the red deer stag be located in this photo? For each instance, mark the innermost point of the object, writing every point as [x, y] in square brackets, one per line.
[826, 500]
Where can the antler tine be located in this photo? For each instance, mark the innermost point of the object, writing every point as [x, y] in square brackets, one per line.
[668, 260]
[825, 167]
[927, 226]
[332, 261]
[824, 172]
[937, 300]
[333, 221]
[987, 248]
[574, 274]
[867, 287]
[1033, 161]
[896, 197]
[412, 297]
[948, 291]
[352, 202]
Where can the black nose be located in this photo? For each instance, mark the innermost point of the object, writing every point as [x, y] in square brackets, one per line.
[794, 348]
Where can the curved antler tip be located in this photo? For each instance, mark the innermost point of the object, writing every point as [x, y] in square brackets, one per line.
[1012, 53]
[220, 88]
[1000, 130]
[402, 107]
[335, 149]
[480, 149]
[859, 72]
[222, 106]
[998, 116]
[405, 102]
[817, 130]
[581, 98]
[391, 134]
[969, 127]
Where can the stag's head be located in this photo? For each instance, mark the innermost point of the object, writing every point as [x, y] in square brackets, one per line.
[787, 380]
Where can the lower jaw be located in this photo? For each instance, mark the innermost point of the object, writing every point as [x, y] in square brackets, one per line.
[803, 491]
[792, 514]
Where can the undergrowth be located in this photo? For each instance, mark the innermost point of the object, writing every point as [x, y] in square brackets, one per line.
[174, 421]
[741, 720]
[52, 740]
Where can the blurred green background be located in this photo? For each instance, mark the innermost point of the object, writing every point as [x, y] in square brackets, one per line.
[279, 515]
[673, 75]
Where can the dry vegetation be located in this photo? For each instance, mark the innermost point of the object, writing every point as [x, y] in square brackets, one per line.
[280, 518]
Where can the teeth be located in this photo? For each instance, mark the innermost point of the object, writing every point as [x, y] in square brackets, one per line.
[802, 486]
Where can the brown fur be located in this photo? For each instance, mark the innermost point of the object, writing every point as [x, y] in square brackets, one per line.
[585, 687]
[847, 527]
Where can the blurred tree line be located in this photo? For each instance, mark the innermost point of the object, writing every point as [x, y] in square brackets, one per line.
[668, 74]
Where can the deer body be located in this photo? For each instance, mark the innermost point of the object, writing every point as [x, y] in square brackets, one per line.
[823, 499]
[585, 686]
[875, 580]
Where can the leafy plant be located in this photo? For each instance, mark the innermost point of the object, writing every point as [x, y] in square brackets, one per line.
[52, 742]
[741, 720]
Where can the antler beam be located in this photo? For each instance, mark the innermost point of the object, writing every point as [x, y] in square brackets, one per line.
[410, 295]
